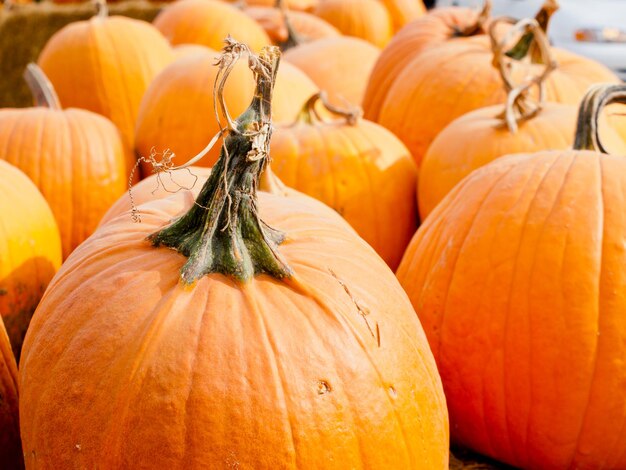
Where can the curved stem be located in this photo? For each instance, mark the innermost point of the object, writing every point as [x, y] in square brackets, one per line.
[41, 88]
[222, 232]
[309, 114]
[595, 100]
[477, 27]
[102, 9]
[526, 46]
[293, 38]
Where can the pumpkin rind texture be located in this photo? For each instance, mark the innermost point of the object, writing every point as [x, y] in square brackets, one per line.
[518, 278]
[262, 375]
[105, 65]
[30, 250]
[10, 444]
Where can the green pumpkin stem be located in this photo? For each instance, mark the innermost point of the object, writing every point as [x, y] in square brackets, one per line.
[595, 100]
[527, 46]
[40, 87]
[477, 27]
[222, 232]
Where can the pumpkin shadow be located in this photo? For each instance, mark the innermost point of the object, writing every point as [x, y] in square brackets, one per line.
[20, 293]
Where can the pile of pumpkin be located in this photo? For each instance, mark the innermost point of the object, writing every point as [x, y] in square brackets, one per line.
[239, 314]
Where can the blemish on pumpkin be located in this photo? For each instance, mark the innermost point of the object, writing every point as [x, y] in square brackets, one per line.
[393, 392]
[323, 387]
[78, 447]
[3, 292]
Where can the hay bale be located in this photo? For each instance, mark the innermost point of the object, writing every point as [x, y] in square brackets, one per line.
[25, 29]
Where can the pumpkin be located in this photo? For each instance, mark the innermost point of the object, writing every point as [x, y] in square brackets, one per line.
[184, 50]
[339, 66]
[365, 19]
[263, 355]
[404, 11]
[10, 444]
[304, 26]
[30, 250]
[104, 65]
[436, 27]
[356, 167]
[517, 277]
[168, 117]
[206, 22]
[432, 85]
[75, 158]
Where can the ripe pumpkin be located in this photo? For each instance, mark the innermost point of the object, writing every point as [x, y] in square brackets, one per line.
[438, 26]
[518, 278]
[75, 158]
[30, 250]
[365, 19]
[104, 65]
[207, 22]
[356, 167]
[404, 11]
[306, 26]
[10, 444]
[183, 50]
[249, 358]
[168, 117]
[339, 66]
[432, 85]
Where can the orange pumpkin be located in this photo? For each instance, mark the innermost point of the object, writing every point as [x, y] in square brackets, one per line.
[356, 167]
[404, 11]
[438, 26]
[75, 157]
[207, 22]
[365, 19]
[168, 117]
[305, 26]
[184, 50]
[10, 444]
[518, 278]
[449, 80]
[339, 66]
[104, 65]
[249, 357]
[30, 250]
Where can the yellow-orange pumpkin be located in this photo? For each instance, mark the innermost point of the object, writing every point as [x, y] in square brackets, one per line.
[177, 111]
[365, 19]
[10, 444]
[75, 158]
[30, 250]
[518, 278]
[404, 11]
[104, 65]
[207, 22]
[340, 66]
[260, 356]
[356, 167]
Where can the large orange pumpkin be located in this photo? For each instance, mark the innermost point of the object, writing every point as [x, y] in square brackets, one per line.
[30, 250]
[339, 66]
[170, 110]
[365, 19]
[75, 157]
[404, 11]
[518, 277]
[449, 80]
[105, 65]
[356, 167]
[438, 26]
[10, 444]
[264, 352]
[207, 22]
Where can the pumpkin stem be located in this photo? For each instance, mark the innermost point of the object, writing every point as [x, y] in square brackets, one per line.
[520, 104]
[478, 27]
[595, 100]
[222, 232]
[293, 38]
[310, 115]
[526, 46]
[102, 9]
[41, 88]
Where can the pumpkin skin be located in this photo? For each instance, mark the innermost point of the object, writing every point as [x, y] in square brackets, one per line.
[168, 117]
[75, 157]
[296, 5]
[365, 19]
[208, 22]
[339, 66]
[10, 444]
[30, 250]
[362, 171]
[404, 11]
[184, 50]
[307, 26]
[104, 65]
[452, 79]
[436, 27]
[239, 408]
